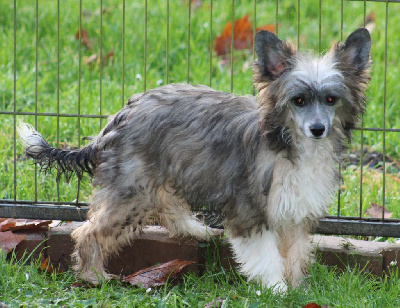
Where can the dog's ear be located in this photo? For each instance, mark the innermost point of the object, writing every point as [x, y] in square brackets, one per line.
[273, 55]
[356, 50]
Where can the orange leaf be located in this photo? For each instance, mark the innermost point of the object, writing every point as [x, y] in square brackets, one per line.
[243, 35]
[157, 275]
[9, 240]
[46, 267]
[7, 223]
[375, 211]
[84, 38]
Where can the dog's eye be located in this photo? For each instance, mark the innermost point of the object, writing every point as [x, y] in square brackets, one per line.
[331, 100]
[299, 101]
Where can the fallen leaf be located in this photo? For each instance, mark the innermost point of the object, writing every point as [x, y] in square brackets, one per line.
[7, 223]
[110, 55]
[375, 211]
[370, 22]
[312, 305]
[46, 267]
[9, 240]
[90, 60]
[243, 35]
[13, 224]
[84, 38]
[215, 303]
[157, 275]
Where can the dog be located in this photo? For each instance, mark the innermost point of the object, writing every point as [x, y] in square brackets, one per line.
[268, 164]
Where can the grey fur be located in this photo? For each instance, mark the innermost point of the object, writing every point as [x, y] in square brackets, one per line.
[179, 148]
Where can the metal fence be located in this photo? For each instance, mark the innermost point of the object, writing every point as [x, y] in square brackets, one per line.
[287, 17]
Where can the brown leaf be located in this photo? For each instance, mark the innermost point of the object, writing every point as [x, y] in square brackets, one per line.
[375, 211]
[84, 38]
[13, 224]
[215, 303]
[9, 240]
[312, 305]
[46, 267]
[157, 275]
[242, 35]
[90, 60]
[7, 223]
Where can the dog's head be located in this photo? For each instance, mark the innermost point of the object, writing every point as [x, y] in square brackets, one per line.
[310, 95]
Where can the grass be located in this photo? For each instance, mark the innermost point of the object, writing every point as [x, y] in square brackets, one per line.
[77, 87]
[23, 285]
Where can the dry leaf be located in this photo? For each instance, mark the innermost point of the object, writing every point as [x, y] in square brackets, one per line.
[84, 39]
[13, 224]
[157, 275]
[46, 267]
[375, 211]
[9, 240]
[370, 22]
[7, 223]
[90, 60]
[216, 303]
[243, 36]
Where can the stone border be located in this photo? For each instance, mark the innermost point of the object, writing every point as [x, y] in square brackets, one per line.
[155, 246]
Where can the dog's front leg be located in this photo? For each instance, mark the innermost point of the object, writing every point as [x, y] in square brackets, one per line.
[295, 248]
[259, 258]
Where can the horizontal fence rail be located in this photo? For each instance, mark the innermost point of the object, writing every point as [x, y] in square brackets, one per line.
[13, 203]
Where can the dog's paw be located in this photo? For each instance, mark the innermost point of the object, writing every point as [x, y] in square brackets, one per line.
[95, 278]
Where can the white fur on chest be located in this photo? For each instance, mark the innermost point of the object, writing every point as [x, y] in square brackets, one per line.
[301, 190]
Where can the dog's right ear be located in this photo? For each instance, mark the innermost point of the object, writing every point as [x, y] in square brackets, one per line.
[273, 56]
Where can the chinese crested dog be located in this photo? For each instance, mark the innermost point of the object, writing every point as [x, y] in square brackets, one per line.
[268, 163]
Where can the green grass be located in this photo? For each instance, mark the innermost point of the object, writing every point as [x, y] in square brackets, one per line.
[74, 95]
[26, 286]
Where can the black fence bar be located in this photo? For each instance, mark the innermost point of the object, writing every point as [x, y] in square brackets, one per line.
[358, 227]
[345, 226]
[44, 212]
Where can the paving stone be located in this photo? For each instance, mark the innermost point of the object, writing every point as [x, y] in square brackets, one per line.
[152, 247]
[33, 246]
[391, 259]
[343, 253]
[61, 245]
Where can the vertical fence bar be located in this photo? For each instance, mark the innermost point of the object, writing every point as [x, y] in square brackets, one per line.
[298, 23]
[79, 89]
[15, 102]
[254, 34]
[340, 167]
[36, 81]
[188, 38]
[319, 25]
[101, 65]
[276, 17]
[232, 41]
[384, 116]
[167, 53]
[58, 90]
[211, 40]
[123, 55]
[145, 46]
[362, 141]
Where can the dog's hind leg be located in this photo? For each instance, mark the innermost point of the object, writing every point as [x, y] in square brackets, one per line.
[112, 224]
[259, 258]
[175, 215]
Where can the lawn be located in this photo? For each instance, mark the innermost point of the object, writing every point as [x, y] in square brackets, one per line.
[26, 286]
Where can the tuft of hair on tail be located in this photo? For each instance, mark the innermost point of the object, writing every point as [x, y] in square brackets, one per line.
[66, 162]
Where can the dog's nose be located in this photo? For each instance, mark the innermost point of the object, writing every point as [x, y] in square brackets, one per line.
[317, 129]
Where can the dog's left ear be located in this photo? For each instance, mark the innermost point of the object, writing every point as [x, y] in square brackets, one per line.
[356, 50]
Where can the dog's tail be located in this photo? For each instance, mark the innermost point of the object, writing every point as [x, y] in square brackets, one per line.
[67, 162]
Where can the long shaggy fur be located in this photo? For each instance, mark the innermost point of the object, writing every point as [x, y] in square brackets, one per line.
[268, 164]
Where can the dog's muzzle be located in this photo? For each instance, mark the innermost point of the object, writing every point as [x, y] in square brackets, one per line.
[317, 130]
